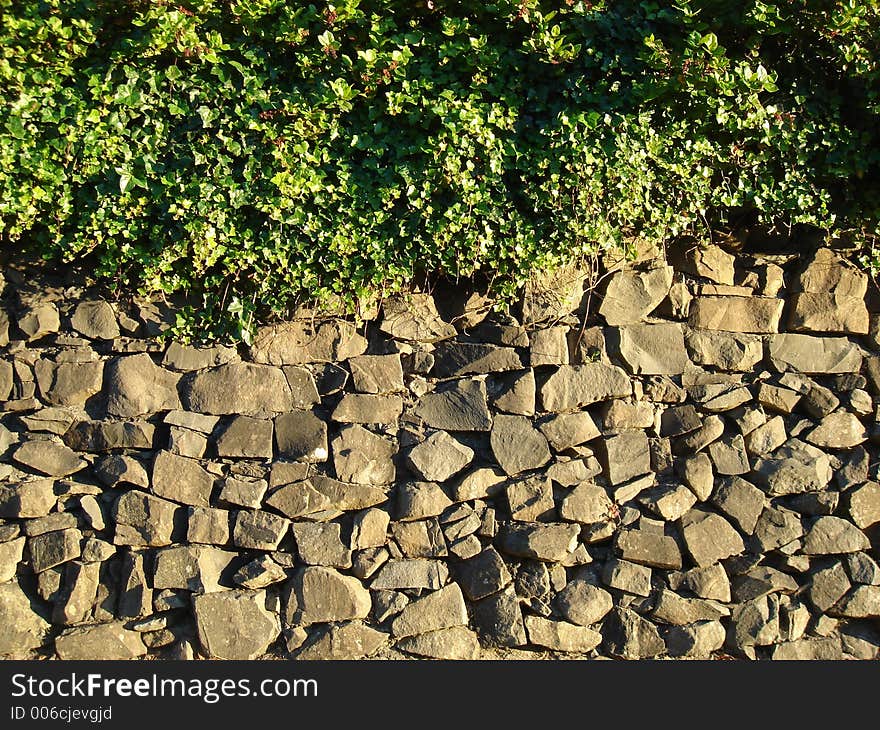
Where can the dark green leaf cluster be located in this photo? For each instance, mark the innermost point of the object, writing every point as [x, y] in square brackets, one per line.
[259, 151]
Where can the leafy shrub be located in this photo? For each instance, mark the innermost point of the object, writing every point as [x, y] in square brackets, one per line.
[253, 152]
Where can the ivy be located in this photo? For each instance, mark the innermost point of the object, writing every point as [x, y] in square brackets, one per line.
[255, 153]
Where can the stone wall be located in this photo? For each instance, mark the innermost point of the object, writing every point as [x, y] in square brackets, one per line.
[688, 471]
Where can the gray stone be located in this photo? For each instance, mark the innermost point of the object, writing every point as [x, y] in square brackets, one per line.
[709, 537]
[741, 501]
[143, 520]
[39, 320]
[824, 312]
[793, 468]
[669, 501]
[583, 603]
[632, 295]
[729, 456]
[554, 294]
[186, 358]
[439, 457]
[457, 406]
[136, 386]
[821, 649]
[808, 354]
[49, 458]
[530, 499]
[834, 535]
[517, 445]
[697, 474]
[235, 624]
[320, 543]
[709, 261]
[456, 642]
[861, 602]
[181, 480]
[303, 390]
[95, 320]
[626, 455]
[246, 438]
[119, 469]
[11, 553]
[368, 408]
[300, 341]
[207, 525]
[98, 436]
[345, 497]
[258, 530]
[318, 595]
[827, 586]
[440, 609]
[755, 623]
[400, 574]
[54, 548]
[561, 635]
[697, 641]
[482, 575]
[478, 484]
[654, 349]
[648, 548]
[626, 576]
[498, 619]
[195, 568]
[414, 317]
[513, 392]
[6, 379]
[864, 504]
[723, 350]
[69, 383]
[573, 386]
[750, 315]
[767, 437]
[630, 636]
[243, 492]
[777, 527]
[587, 503]
[105, 642]
[348, 641]
[567, 430]
[679, 420]
[363, 457]
[24, 628]
[549, 347]
[710, 582]
[711, 430]
[238, 389]
[377, 373]
[301, 435]
[454, 359]
[839, 430]
[549, 542]
[418, 500]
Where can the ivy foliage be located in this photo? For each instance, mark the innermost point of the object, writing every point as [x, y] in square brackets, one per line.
[253, 152]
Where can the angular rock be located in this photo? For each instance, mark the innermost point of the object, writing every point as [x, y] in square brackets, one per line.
[439, 457]
[303, 389]
[697, 641]
[709, 537]
[839, 430]
[23, 627]
[654, 349]
[648, 548]
[195, 568]
[567, 430]
[258, 530]
[543, 541]
[574, 386]
[697, 474]
[441, 609]
[377, 373]
[39, 320]
[793, 468]
[186, 358]
[320, 543]
[549, 347]
[864, 504]
[669, 501]
[318, 595]
[301, 435]
[454, 359]
[834, 535]
[517, 445]
[561, 635]
[862, 602]
[583, 603]
[482, 575]
[352, 640]
[415, 318]
[814, 355]
[143, 520]
[69, 383]
[246, 438]
[670, 608]
[300, 341]
[824, 312]
[54, 548]
[237, 389]
[587, 503]
[457, 406]
[366, 408]
[498, 619]
[750, 315]
[723, 350]
[120, 469]
[755, 623]
[181, 480]
[49, 458]
[777, 527]
[827, 586]
[417, 500]
[136, 386]
[95, 320]
[530, 499]
[363, 457]
[513, 392]
[741, 501]
[626, 456]
[98, 436]
[207, 525]
[111, 641]
[630, 636]
[235, 624]
[414, 573]
[632, 295]
[456, 642]
[729, 456]
[767, 437]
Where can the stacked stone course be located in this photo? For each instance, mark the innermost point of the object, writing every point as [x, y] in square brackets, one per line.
[689, 470]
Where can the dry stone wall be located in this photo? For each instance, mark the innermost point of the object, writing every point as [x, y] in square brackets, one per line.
[690, 470]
